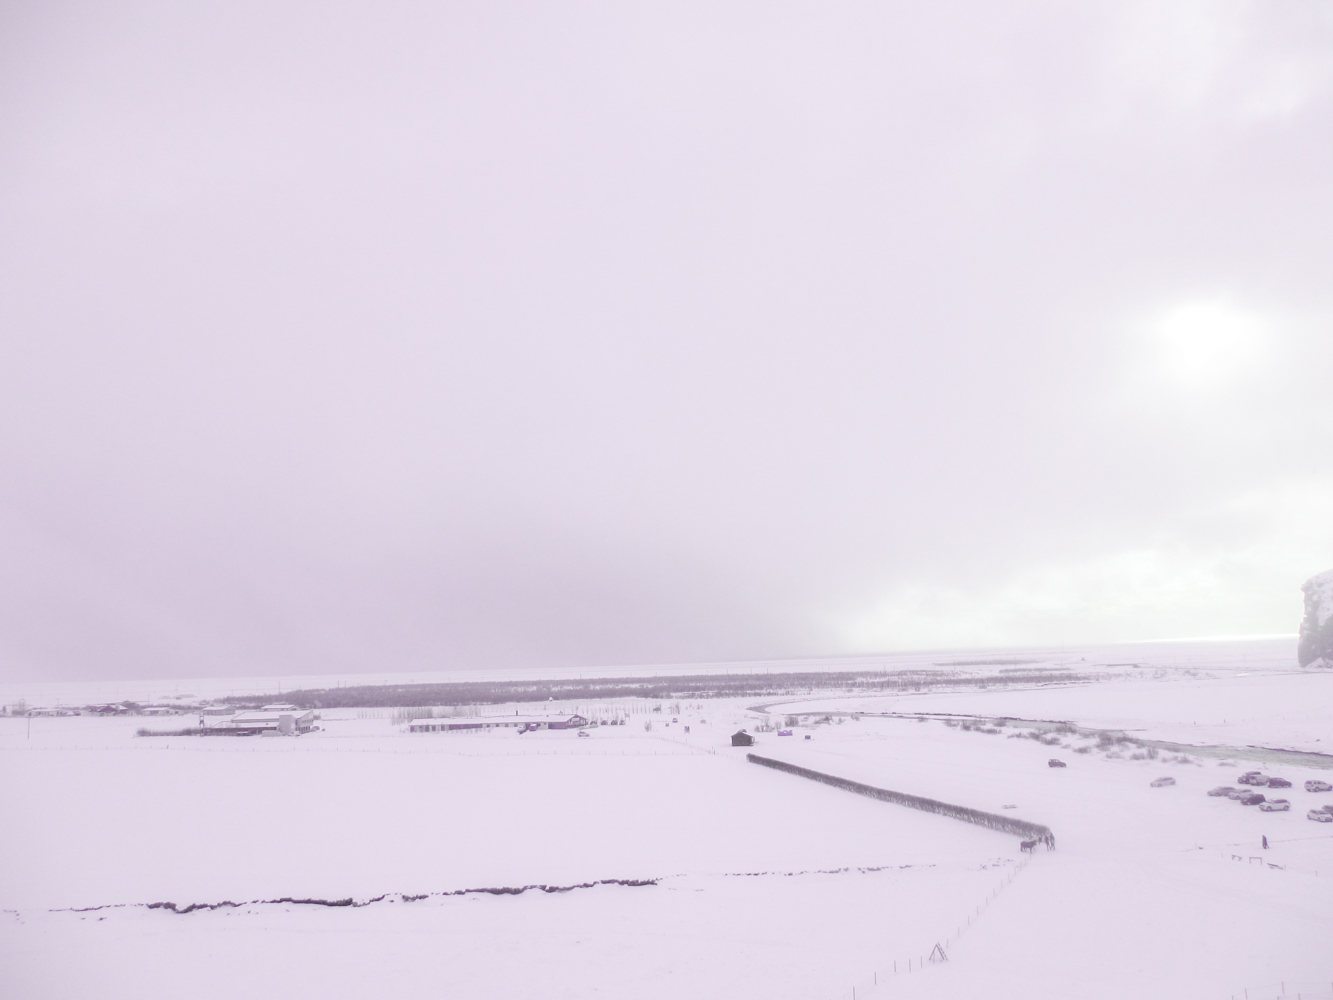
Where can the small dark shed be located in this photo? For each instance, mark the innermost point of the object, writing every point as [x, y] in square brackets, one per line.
[742, 739]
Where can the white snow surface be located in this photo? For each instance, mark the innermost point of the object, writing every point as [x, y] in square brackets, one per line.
[768, 885]
[1283, 710]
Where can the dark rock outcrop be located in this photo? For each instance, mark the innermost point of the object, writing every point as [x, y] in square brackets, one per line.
[1315, 648]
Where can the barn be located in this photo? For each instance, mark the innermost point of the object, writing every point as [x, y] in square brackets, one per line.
[742, 739]
[486, 723]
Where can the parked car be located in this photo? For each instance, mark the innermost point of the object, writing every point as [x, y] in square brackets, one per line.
[1251, 798]
[1238, 793]
[1275, 805]
[1278, 783]
[1328, 808]
[1252, 778]
[1314, 785]
[1055, 762]
[584, 732]
[1162, 782]
[1319, 816]
[1221, 790]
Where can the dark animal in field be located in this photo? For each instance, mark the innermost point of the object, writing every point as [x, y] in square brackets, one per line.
[1028, 846]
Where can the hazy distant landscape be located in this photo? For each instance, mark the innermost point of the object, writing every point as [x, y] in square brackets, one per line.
[737, 685]
[642, 858]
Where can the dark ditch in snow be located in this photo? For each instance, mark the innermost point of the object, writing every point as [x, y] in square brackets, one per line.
[394, 897]
[350, 902]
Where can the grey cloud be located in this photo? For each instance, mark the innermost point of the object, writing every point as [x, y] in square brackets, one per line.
[484, 334]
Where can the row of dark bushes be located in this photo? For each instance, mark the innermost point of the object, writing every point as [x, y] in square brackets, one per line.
[695, 686]
[994, 821]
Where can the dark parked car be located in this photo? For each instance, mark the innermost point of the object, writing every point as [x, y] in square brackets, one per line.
[1221, 790]
[1278, 783]
[1252, 778]
[1055, 762]
[1251, 798]
[1315, 785]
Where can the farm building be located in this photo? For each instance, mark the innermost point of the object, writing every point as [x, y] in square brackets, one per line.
[482, 723]
[742, 739]
[286, 723]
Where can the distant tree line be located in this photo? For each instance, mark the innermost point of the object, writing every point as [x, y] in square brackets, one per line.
[695, 686]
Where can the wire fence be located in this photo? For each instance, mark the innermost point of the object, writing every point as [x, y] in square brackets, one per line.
[1262, 862]
[1289, 990]
[937, 955]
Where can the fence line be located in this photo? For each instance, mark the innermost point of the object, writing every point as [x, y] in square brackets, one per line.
[993, 821]
[938, 954]
[1289, 990]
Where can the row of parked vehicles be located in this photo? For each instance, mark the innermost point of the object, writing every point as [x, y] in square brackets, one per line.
[1249, 797]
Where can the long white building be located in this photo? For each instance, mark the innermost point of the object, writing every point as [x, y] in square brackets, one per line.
[482, 723]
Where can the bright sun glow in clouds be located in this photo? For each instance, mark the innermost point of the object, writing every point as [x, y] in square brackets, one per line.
[1205, 344]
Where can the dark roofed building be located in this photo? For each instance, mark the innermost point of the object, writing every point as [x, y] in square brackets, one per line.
[742, 739]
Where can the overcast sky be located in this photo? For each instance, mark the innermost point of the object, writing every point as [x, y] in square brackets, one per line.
[352, 336]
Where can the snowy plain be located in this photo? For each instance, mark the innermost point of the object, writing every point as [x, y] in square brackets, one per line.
[763, 884]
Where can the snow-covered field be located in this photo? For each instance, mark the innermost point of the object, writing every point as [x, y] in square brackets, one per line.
[1288, 710]
[761, 884]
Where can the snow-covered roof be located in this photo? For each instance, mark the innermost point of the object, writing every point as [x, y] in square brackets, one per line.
[269, 716]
